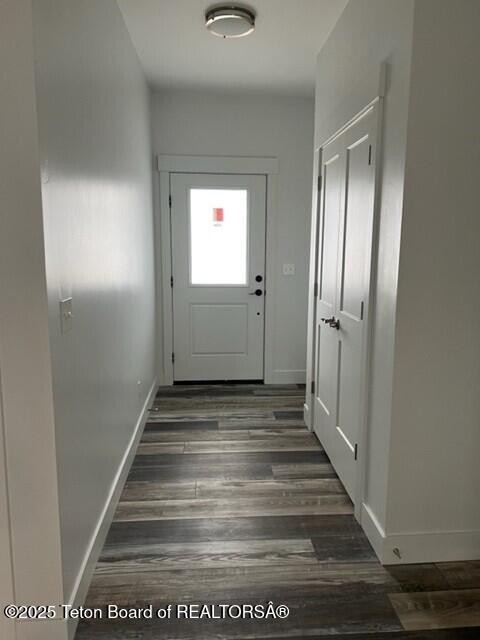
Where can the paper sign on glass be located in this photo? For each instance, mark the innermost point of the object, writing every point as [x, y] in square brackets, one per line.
[218, 215]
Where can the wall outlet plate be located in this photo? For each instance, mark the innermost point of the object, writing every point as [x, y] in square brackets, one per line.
[66, 315]
[288, 269]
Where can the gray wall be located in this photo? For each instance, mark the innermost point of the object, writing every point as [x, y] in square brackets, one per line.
[436, 405]
[371, 32]
[198, 123]
[30, 531]
[93, 109]
[422, 475]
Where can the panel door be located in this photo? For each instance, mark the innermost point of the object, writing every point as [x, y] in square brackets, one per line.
[218, 267]
[340, 358]
[326, 361]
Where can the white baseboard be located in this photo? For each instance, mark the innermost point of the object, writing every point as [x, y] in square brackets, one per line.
[373, 530]
[419, 546]
[307, 416]
[80, 589]
[286, 376]
[444, 546]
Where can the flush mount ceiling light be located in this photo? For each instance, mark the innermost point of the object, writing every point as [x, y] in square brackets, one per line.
[230, 21]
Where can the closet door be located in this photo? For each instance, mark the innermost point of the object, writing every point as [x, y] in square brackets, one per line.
[326, 361]
[344, 277]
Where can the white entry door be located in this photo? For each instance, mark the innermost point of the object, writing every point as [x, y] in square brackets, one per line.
[344, 265]
[218, 253]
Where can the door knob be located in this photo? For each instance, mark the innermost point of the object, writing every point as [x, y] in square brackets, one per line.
[258, 278]
[335, 324]
[257, 292]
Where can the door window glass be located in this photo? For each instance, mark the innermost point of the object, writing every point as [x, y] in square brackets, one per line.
[218, 236]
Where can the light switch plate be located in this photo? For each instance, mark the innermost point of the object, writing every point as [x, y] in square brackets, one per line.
[66, 315]
[288, 269]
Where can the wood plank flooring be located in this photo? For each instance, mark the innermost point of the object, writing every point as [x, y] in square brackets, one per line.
[230, 500]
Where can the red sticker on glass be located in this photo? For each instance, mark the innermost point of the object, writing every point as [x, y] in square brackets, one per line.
[218, 214]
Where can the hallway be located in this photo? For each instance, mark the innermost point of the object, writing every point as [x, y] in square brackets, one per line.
[230, 500]
[283, 195]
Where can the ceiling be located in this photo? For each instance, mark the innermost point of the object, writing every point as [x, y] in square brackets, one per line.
[176, 50]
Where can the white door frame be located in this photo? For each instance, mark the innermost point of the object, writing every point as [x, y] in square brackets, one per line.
[375, 106]
[168, 164]
[312, 288]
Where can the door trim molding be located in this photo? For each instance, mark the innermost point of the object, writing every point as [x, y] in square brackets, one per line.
[252, 165]
[315, 224]
[370, 303]
[218, 164]
[376, 107]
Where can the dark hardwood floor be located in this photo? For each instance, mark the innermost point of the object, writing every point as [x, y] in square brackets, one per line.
[230, 500]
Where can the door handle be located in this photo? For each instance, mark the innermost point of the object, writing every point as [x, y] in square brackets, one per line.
[334, 324]
[257, 292]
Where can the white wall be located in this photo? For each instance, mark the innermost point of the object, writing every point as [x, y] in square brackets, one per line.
[27, 421]
[434, 471]
[93, 107]
[191, 123]
[369, 33]
[421, 493]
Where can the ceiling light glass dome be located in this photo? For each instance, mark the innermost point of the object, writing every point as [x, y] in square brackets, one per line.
[230, 21]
